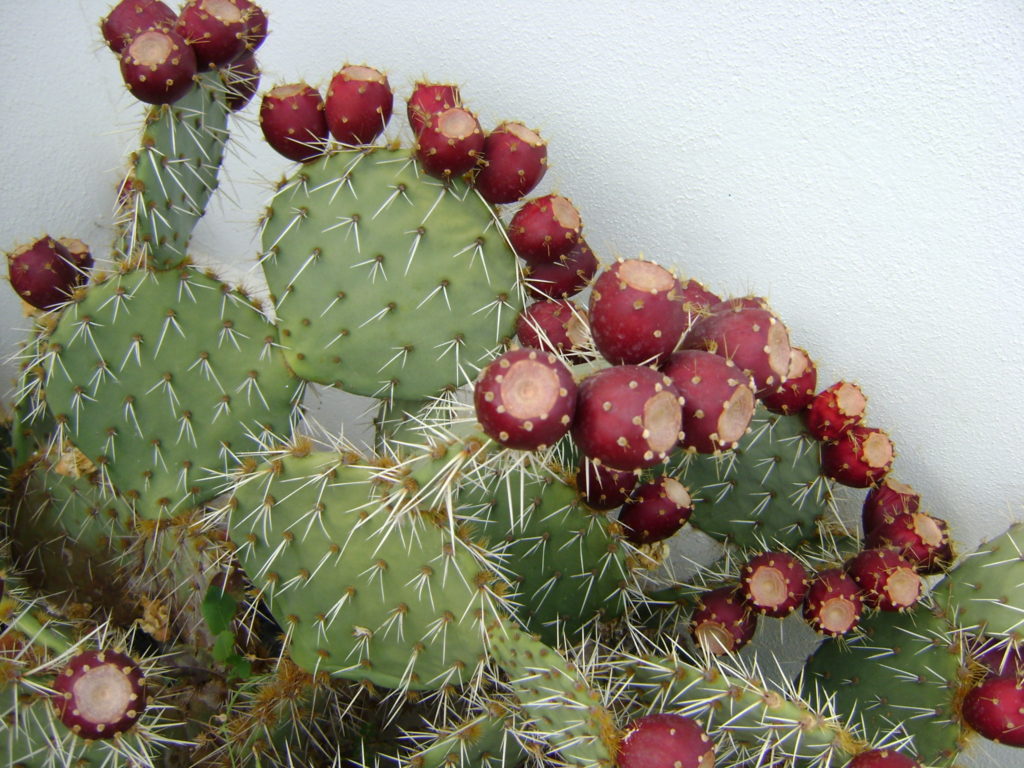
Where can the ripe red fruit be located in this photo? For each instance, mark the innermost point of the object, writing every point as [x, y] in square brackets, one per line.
[859, 458]
[833, 605]
[99, 694]
[130, 17]
[516, 159]
[241, 81]
[797, 391]
[887, 581]
[216, 30]
[886, 500]
[293, 122]
[545, 229]
[659, 740]
[773, 583]
[995, 709]
[603, 487]
[636, 313]
[922, 539]
[525, 399]
[450, 143]
[80, 254]
[358, 104]
[722, 623]
[836, 409]
[718, 399]
[256, 25]
[43, 273]
[883, 758]
[628, 417]
[158, 66]
[427, 100]
[565, 277]
[656, 510]
[557, 326]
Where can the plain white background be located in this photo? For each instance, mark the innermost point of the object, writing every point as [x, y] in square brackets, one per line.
[860, 164]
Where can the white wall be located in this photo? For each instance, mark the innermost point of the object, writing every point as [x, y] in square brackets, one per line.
[860, 163]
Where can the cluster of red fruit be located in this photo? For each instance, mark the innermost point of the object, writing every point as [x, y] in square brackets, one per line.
[162, 52]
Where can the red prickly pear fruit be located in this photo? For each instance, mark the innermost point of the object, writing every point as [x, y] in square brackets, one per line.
[887, 581]
[697, 299]
[753, 338]
[628, 417]
[995, 709]
[241, 81]
[450, 144]
[158, 66]
[718, 399]
[882, 758]
[773, 583]
[99, 694]
[358, 104]
[557, 325]
[859, 458]
[256, 25]
[565, 277]
[886, 500]
[545, 229]
[293, 122]
[130, 17]
[835, 410]
[797, 391]
[1000, 658]
[656, 511]
[525, 399]
[427, 100]
[922, 539]
[636, 313]
[722, 623]
[216, 30]
[739, 303]
[833, 605]
[80, 254]
[516, 159]
[603, 487]
[43, 273]
[652, 741]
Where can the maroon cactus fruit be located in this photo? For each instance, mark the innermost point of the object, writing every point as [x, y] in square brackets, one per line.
[450, 144]
[721, 622]
[241, 81]
[293, 122]
[833, 605]
[130, 17]
[883, 758]
[636, 313]
[920, 538]
[999, 657]
[603, 487]
[753, 338]
[835, 410]
[887, 581]
[256, 25]
[216, 30]
[886, 500]
[43, 273]
[525, 399]
[659, 740]
[158, 66]
[80, 254]
[718, 399]
[545, 229]
[773, 583]
[797, 391]
[427, 100]
[565, 277]
[358, 104]
[516, 160]
[628, 417]
[656, 510]
[860, 458]
[995, 709]
[557, 326]
[100, 694]
[697, 299]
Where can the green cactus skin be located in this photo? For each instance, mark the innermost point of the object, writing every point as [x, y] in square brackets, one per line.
[769, 492]
[364, 592]
[483, 741]
[173, 175]
[160, 378]
[387, 283]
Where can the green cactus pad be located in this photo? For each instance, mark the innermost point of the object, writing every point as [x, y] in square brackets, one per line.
[387, 283]
[363, 593]
[768, 492]
[173, 175]
[161, 378]
[483, 741]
